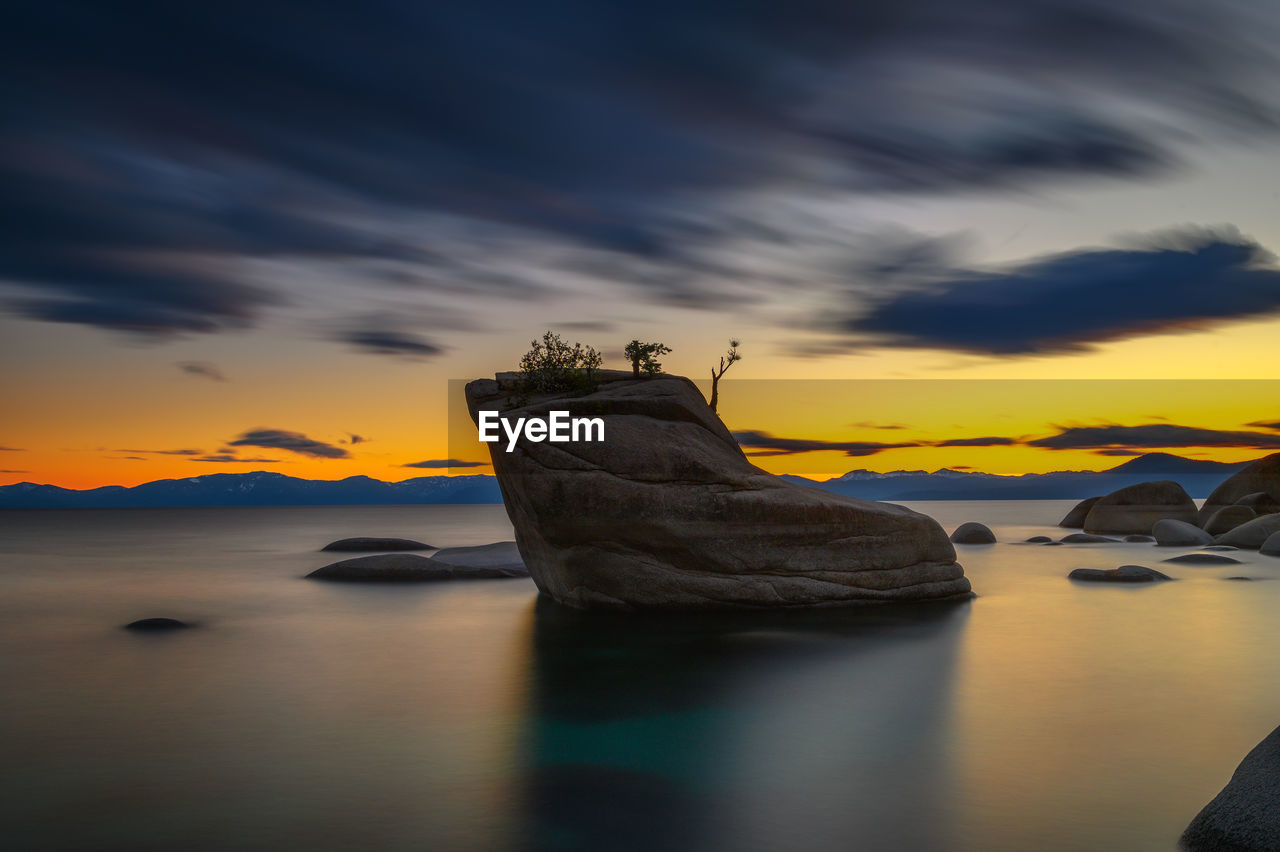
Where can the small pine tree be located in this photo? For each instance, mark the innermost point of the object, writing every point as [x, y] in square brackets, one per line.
[644, 356]
[726, 361]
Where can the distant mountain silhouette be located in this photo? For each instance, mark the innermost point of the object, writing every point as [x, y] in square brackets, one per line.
[264, 488]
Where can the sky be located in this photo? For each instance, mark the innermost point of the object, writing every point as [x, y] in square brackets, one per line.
[267, 237]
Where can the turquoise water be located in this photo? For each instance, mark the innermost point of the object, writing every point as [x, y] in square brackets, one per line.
[1043, 715]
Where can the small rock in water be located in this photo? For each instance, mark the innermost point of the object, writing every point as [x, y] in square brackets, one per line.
[156, 625]
[1088, 538]
[1123, 574]
[1238, 578]
[411, 568]
[368, 545]
[1138, 539]
[973, 533]
[1039, 539]
[1202, 559]
[1271, 547]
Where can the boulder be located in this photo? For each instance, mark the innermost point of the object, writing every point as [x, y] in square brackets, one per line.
[1202, 559]
[1271, 547]
[1228, 518]
[409, 568]
[1170, 533]
[973, 533]
[156, 625]
[1245, 816]
[1123, 574]
[1138, 539]
[1039, 539]
[1087, 538]
[500, 554]
[668, 513]
[1261, 477]
[1135, 508]
[1075, 518]
[1254, 534]
[1260, 502]
[370, 545]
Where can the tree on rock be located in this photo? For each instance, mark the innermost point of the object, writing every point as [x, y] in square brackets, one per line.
[726, 361]
[552, 365]
[644, 357]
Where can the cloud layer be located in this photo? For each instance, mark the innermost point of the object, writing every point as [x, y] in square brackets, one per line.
[294, 442]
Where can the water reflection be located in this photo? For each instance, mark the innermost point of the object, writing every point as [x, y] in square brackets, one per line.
[817, 729]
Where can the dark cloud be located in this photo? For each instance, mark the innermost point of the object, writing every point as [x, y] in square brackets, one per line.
[1265, 424]
[391, 342]
[15, 471]
[353, 438]
[11, 450]
[440, 463]
[1118, 453]
[221, 458]
[975, 442]
[150, 151]
[294, 442]
[185, 452]
[866, 424]
[1151, 435]
[203, 369]
[1070, 301]
[772, 445]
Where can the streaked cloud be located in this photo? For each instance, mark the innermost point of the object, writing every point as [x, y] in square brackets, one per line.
[445, 463]
[294, 442]
[202, 369]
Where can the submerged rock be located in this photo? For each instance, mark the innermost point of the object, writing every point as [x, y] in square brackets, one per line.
[1171, 533]
[1245, 816]
[1139, 539]
[1123, 574]
[1136, 508]
[1075, 518]
[1039, 539]
[1202, 559]
[1088, 538]
[368, 545]
[973, 533]
[1252, 535]
[1271, 547]
[409, 568]
[500, 554]
[156, 625]
[1228, 518]
[667, 512]
[1260, 478]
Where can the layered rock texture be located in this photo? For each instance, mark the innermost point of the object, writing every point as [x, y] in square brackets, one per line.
[667, 512]
[1245, 816]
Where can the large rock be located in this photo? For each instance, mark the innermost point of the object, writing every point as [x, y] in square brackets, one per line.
[1271, 547]
[1253, 534]
[1228, 518]
[973, 533]
[370, 545]
[1075, 518]
[409, 568]
[667, 512]
[1261, 477]
[1170, 533]
[1123, 574]
[1245, 816]
[1260, 502]
[1136, 508]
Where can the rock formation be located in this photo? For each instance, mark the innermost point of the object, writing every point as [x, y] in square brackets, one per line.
[1245, 816]
[1136, 508]
[1271, 547]
[1261, 477]
[1170, 533]
[1075, 518]
[667, 512]
[1253, 535]
[1228, 518]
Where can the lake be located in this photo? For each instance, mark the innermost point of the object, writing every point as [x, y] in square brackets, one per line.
[1044, 714]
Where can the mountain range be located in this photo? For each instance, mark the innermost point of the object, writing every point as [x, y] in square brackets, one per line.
[263, 488]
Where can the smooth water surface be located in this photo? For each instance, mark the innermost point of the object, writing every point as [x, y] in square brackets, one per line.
[1045, 714]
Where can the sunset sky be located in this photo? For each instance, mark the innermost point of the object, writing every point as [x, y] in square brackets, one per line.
[266, 237]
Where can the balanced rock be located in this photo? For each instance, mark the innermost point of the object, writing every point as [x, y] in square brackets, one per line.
[667, 512]
[1135, 508]
[409, 568]
[156, 625]
[973, 533]
[370, 545]
[1171, 533]
[1271, 547]
[1123, 574]
[1261, 477]
[1202, 559]
[1087, 538]
[1245, 816]
[1252, 535]
[1075, 518]
[1228, 518]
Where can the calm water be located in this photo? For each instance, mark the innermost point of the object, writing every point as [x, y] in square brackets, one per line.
[1043, 715]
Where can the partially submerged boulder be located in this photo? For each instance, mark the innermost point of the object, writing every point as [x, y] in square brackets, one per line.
[156, 625]
[667, 512]
[1123, 574]
[373, 545]
[1136, 508]
[1170, 533]
[1075, 518]
[1253, 535]
[973, 533]
[1038, 539]
[1260, 478]
[1228, 518]
[1202, 559]
[500, 554]
[1088, 538]
[409, 568]
[1138, 539]
[1271, 547]
[1245, 816]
